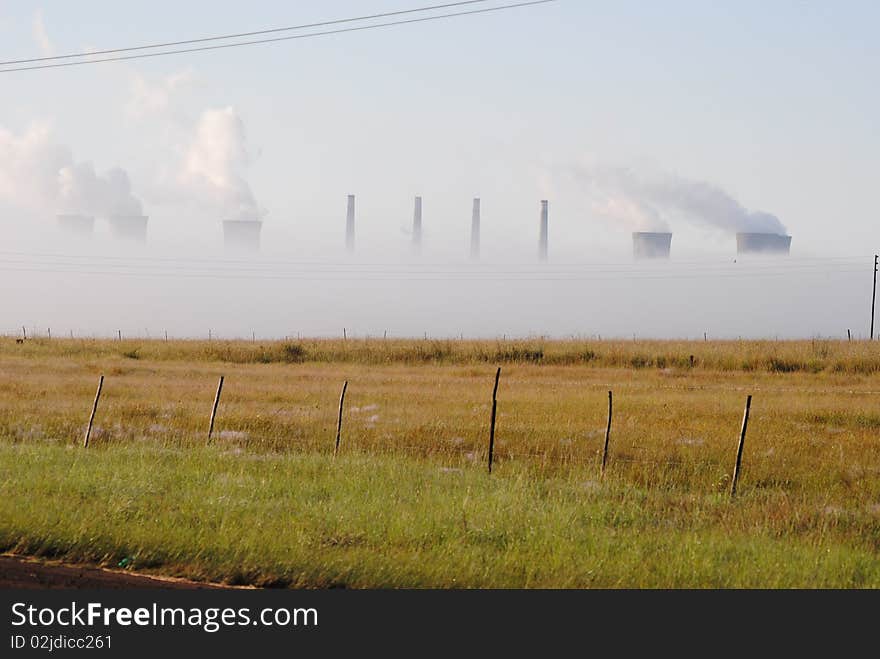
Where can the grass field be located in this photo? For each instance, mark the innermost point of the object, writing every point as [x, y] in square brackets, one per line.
[408, 501]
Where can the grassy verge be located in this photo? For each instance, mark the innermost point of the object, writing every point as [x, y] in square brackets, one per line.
[394, 521]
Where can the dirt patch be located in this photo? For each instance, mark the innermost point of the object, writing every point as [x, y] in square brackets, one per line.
[23, 572]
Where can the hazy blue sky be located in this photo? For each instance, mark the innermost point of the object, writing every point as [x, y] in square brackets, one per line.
[774, 102]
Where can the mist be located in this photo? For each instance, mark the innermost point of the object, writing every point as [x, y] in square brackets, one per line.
[303, 281]
[294, 288]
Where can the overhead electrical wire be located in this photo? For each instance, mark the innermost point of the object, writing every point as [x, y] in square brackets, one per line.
[790, 262]
[354, 272]
[412, 272]
[239, 35]
[359, 28]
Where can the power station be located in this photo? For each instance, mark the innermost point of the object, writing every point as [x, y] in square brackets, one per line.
[242, 235]
[129, 227]
[81, 226]
[763, 243]
[651, 245]
[542, 235]
[417, 223]
[475, 229]
[349, 224]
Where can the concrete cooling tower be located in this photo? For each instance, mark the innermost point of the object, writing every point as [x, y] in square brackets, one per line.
[242, 235]
[77, 225]
[651, 245]
[763, 243]
[129, 227]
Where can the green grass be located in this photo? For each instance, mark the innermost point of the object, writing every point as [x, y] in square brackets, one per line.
[367, 521]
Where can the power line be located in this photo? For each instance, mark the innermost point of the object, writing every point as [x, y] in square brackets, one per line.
[520, 269]
[452, 272]
[789, 262]
[397, 277]
[239, 35]
[286, 38]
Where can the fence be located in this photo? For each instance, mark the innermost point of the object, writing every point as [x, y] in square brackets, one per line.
[491, 455]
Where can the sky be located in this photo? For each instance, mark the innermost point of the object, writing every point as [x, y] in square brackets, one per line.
[624, 115]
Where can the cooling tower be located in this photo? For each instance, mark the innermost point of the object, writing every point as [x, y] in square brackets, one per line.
[242, 235]
[77, 225]
[475, 230]
[129, 227]
[349, 224]
[417, 222]
[762, 243]
[651, 245]
[542, 239]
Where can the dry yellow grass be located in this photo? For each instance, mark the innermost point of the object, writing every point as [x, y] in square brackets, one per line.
[811, 468]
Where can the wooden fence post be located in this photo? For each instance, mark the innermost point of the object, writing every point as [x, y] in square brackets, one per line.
[214, 409]
[607, 437]
[739, 450]
[492, 420]
[92, 415]
[339, 419]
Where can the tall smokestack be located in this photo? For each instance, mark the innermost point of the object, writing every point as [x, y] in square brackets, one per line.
[651, 245]
[542, 240]
[475, 229]
[349, 225]
[763, 243]
[417, 222]
[129, 227]
[242, 235]
[81, 226]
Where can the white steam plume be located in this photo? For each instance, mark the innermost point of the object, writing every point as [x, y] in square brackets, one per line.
[41, 176]
[210, 174]
[617, 194]
[649, 203]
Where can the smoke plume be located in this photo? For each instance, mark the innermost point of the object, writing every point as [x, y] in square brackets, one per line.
[41, 176]
[212, 170]
[651, 202]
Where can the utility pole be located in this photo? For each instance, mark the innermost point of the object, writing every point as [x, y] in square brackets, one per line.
[874, 295]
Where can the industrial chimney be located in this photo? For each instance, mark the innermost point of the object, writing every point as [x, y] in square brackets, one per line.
[129, 227]
[763, 243]
[542, 240]
[651, 245]
[242, 235]
[475, 229]
[77, 225]
[417, 223]
[349, 225]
